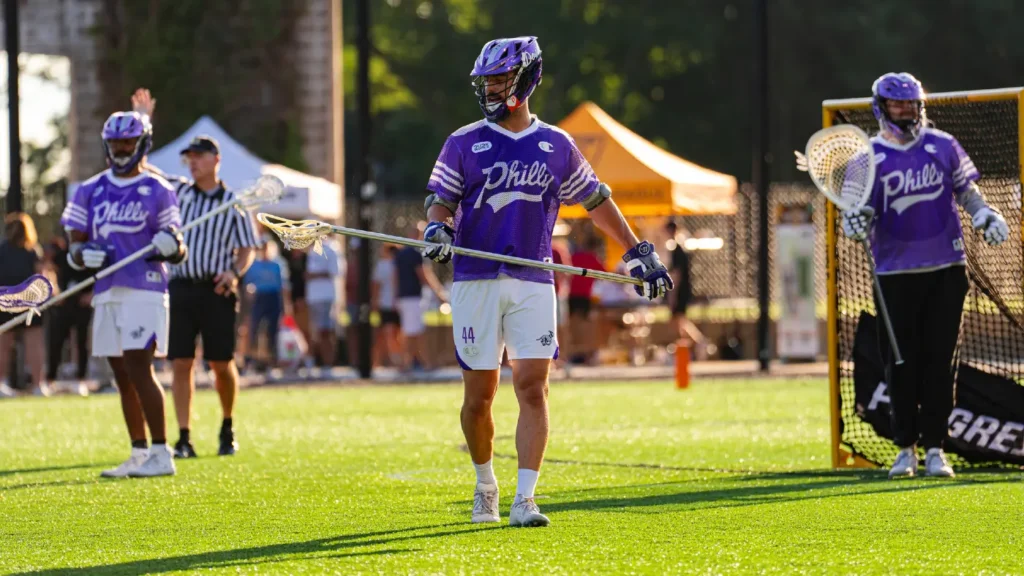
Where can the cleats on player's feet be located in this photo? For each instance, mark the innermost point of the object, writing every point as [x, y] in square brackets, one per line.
[485, 504]
[160, 462]
[905, 465]
[525, 513]
[184, 449]
[935, 464]
[228, 446]
[138, 456]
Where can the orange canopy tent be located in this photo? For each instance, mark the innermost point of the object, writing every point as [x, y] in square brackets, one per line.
[645, 180]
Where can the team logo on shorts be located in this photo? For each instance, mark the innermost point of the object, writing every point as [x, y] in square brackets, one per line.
[547, 339]
[470, 350]
[138, 333]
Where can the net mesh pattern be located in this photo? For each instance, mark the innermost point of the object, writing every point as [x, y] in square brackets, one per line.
[992, 329]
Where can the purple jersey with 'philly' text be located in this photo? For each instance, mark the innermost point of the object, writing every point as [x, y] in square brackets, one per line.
[917, 222]
[508, 188]
[123, 215]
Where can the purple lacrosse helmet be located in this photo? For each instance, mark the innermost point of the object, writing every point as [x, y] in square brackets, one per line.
[124, 126]
[499, 57]
[901, 86]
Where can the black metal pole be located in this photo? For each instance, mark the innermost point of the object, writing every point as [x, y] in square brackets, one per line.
[11, 35]
[366, 187]
[761, 175]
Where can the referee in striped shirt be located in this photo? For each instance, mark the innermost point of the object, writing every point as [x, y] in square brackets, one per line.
[204, 291]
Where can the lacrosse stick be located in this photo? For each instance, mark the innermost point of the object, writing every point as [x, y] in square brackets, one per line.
[267, 189]
[26, 297]
[298, 234]
[841, 163]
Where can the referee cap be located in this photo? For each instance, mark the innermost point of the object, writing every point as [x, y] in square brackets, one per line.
[202, 143]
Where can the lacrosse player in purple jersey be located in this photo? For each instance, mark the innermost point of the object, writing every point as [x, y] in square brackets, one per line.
[923, 174]
[112, 215]
[497, 186]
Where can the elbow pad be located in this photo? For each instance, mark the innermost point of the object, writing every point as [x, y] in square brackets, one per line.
[435, 199]
[597, 197]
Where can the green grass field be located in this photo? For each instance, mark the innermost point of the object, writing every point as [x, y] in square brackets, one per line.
[726, 477]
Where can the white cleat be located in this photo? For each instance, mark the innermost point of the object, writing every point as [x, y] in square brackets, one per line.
[526, 514]
[160, 462]
[6, 391]
[485, 504]
[138, 456]
[935, 464]
[905, 465]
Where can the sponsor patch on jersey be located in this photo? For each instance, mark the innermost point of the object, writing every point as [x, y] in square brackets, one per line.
[152, 276]
[545, 146]
[481, 147]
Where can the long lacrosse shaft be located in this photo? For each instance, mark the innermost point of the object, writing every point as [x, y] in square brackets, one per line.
[21, 318]
[563, 268]
[883, 309]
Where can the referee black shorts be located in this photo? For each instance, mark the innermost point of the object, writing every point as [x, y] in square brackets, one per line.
[197, 310]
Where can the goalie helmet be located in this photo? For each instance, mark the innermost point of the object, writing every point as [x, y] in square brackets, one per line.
[520, 59]
[898, 86]
[126, 126]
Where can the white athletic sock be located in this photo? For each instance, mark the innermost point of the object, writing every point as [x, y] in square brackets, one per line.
[527, 482]
[485, 473]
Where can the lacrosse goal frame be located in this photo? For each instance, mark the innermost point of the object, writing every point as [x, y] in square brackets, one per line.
[843, 455]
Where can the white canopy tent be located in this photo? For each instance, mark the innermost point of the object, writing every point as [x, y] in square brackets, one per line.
[305, 196]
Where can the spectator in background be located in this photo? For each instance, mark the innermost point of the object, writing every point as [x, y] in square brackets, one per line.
[383, 301]
[412, 276]
[679, 299]
[73, 314]
[581, 291]
[322, 276]
[353, 343]
[21, 257]
[297, 274]
[266, 284]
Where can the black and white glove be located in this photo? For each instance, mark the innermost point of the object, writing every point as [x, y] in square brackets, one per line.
[856, 223]
[170, 246]
[992, 225]
[643, 263]
[442, 236]
[92, 255]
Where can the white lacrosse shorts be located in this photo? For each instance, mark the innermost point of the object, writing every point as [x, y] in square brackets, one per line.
[489, 316]
[127, 319]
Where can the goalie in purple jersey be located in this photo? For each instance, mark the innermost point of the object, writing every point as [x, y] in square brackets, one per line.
[497, 186]
[923, 174]
[111, 216]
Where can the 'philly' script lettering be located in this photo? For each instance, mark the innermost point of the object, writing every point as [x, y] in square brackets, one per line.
[515, 175]
[109, 217]
[903, 184]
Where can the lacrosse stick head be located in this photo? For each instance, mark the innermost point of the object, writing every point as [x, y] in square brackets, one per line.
[267, 190]
[841, 163]
[297, 234]
[29, 295]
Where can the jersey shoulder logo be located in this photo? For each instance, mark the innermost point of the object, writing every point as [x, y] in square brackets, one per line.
[930, 148]
[481, 147]
[545, 146]
[144, 190]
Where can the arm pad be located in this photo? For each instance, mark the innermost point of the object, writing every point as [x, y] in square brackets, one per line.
[597, 197]
[971, 199]
[435, 199]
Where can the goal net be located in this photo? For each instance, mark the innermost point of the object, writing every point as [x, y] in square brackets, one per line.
[987, 424]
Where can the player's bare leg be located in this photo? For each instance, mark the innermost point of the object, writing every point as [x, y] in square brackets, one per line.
[478, 427]
[183, 387]
[139, 364]
[226, 382]
[131, 407]
[530, 378]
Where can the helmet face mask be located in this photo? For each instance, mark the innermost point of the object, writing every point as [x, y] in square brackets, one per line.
[127, 138]
[902, 87]
[505, 75]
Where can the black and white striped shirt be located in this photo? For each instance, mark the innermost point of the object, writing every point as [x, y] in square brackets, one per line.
[211, 245]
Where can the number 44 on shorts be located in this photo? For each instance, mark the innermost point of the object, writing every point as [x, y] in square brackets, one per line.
[467, 335]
